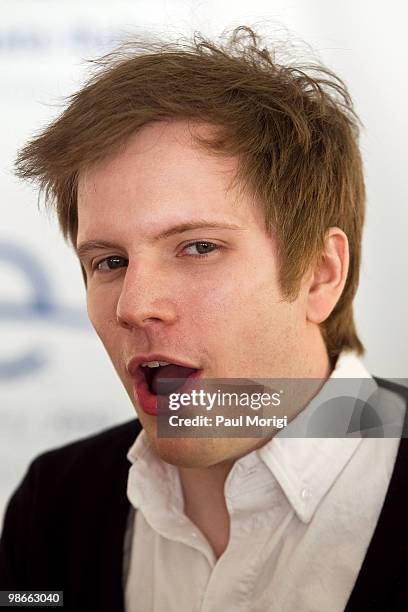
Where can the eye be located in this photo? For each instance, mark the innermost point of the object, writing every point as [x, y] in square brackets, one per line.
[111, 263]
[200, 248]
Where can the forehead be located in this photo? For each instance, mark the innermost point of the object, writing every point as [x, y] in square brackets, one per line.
[161, 176]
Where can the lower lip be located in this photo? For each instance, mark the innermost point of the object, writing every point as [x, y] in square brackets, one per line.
[148, 401]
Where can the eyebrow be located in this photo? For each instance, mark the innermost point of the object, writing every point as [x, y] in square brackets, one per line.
[192, 225]
[85, 247]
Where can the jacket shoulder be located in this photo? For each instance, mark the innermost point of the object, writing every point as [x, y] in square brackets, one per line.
[392, 386]
[383, 586]
[98, 451]
[61, 508]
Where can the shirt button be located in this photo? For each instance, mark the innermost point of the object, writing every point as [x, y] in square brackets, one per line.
[305, 494]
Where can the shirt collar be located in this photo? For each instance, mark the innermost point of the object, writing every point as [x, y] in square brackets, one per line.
[307, 467]
[150, 476]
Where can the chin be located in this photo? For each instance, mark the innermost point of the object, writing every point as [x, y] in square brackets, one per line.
[179, 451]
[186, 452]
[196, 452]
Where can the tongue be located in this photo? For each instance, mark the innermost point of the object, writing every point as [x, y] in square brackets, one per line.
[164, 373]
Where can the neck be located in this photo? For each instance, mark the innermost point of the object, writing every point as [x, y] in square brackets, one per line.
[204, 502]
[315, 356]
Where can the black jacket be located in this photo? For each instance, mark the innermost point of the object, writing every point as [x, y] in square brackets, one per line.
[64, 528]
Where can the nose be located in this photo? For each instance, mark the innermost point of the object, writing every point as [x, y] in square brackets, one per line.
[146, 298]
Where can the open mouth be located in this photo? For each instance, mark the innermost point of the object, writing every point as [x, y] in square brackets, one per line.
[163, 379]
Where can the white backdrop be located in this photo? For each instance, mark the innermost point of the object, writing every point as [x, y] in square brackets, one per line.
[56, 383]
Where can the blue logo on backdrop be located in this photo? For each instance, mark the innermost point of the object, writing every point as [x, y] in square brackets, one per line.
[41, 306]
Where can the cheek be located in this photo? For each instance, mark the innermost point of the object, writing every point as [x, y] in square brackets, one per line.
[244, 293]
[102, 314]
[237, 307]
[209, 303]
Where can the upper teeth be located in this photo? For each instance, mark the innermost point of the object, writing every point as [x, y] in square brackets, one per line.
[154, 364]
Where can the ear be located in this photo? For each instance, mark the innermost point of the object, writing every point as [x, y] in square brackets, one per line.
[328, 276]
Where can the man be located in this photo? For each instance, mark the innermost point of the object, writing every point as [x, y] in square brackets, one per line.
[215, 200]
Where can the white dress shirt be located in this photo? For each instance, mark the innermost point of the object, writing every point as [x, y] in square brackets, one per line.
[302, 513]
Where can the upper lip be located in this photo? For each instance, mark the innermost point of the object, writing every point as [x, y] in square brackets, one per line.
[134, 364]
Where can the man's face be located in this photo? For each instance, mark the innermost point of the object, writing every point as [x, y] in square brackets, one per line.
[190, 274]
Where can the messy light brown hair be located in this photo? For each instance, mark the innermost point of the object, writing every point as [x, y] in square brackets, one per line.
[292, 128]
